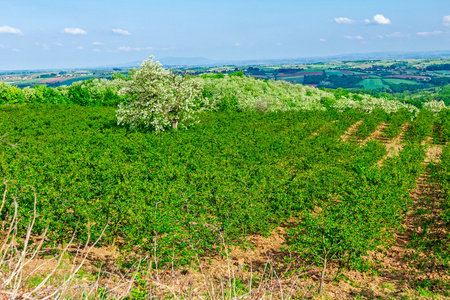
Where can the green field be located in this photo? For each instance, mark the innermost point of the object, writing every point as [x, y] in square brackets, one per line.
[357, 73]
[23, 83]
[27, 82]
[224, 168]
[311, 70]
[399, 81]
[333, 72]
[232, 176]
[373, 84]
[81, 78]
[292, 78]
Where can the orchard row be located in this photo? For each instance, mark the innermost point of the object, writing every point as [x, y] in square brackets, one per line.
[232, 175]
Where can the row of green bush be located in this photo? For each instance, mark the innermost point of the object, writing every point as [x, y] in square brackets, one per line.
[232, 175]
[90, 92]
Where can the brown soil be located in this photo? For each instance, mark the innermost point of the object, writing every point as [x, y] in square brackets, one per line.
[93, 261]
[394, 146]
[422, 223]
[376, 135]
[432, 152]
[349, 134]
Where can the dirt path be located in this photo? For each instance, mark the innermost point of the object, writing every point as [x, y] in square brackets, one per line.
[394, 146]
[433, 152]
[404, 264]
[376, 135]
[350, 133]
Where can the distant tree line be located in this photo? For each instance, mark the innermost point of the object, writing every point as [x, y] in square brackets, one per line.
[345, 82]
[288, 70]
[438, 67]
[440, 81]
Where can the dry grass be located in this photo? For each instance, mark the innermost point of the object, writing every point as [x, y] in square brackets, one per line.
[26, 273]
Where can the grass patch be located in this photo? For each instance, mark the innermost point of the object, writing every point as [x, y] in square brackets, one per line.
[400, 81]
[373, 84]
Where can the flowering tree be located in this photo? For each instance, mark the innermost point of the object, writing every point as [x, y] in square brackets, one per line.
[158, 98]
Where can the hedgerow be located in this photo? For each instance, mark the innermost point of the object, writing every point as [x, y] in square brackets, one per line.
[97, 92]
[218, 93]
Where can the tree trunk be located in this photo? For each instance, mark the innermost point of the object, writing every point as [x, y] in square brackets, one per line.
[175, 124]
[323, 275]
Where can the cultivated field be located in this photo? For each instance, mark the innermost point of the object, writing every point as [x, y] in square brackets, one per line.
[399, 81]
[245, 203]
[372, 84]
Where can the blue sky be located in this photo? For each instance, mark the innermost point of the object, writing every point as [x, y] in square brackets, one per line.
[65, 33]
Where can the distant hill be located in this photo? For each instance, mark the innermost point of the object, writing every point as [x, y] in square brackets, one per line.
[202, 61]
[400, 55]
[186, 61]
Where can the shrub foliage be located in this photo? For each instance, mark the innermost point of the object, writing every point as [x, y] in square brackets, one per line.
[158, 98]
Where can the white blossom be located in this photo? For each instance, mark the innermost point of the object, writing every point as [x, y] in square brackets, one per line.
[435, 106]
[158, 98]
[369, 103]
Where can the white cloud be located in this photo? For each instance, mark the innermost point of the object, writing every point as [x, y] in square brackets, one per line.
[74, 31]
[446, 21]
[431, 33]
[323, 40]
[43, 46]
[170, 48]
[342, 20]
[97, 50]
[237, 44]
[121, 32]
[97, 43]
[16, 50]
[2, 46]
[80, 48]
[127, 48]
[394, 35]
[367, 21]
[397, 35]
[380, 19]
[10, 30]
[356, 37]
[58, 44]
